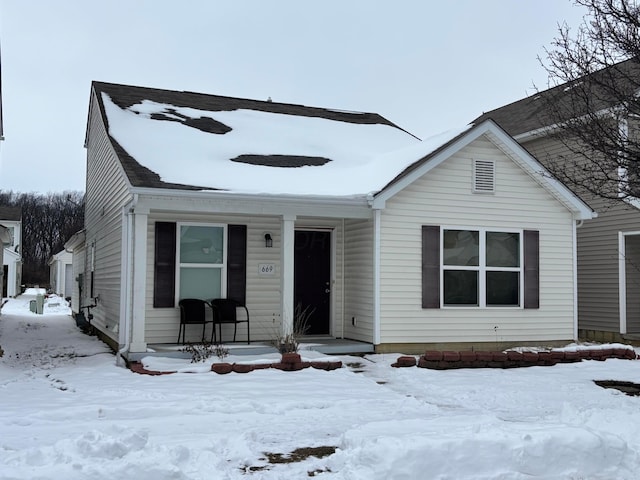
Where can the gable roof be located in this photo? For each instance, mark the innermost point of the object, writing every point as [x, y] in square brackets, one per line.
[195, 141]
[508, 146]
[531, 114]
[13, 214]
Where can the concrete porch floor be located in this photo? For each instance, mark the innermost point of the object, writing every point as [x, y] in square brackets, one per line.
[326, 345]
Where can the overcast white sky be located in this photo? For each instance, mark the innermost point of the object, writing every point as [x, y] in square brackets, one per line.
[426, 65]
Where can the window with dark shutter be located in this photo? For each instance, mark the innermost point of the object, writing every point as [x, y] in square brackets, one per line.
[531, 245]
[430, 266]
[164, 267]
[237, 263]
[480, 268]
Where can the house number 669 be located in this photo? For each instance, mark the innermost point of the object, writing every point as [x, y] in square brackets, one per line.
[266, 269]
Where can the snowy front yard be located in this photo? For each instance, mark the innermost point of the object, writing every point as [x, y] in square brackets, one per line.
[68, 412]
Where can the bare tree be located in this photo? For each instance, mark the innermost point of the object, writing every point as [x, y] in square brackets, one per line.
[48, 221]
[592, 105]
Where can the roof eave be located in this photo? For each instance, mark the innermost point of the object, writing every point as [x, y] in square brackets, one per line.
[353, 206]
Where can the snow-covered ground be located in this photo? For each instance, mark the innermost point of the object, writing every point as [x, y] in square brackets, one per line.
[68, 412]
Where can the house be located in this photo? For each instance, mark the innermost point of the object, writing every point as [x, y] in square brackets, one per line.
[5, 239]
[609, 246]
[378, 237]
[11, 219]
[76, 246]
[61, 274]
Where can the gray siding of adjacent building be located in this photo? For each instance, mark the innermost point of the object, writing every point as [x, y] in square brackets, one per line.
[598, 252]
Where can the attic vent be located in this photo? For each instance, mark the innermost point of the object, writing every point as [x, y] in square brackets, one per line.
[484, 175]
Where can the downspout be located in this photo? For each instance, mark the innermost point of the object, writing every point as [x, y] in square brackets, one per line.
[576, 225]
[376, 277]
[344, 284]
[622, 283]
[126, 291]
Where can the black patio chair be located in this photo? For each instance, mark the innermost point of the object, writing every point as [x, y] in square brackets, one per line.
[193, 311]
[225, 310]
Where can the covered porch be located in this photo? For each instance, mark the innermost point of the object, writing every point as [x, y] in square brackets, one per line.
[310, 270]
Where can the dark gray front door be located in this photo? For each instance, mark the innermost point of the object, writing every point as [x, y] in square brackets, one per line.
[312, 282]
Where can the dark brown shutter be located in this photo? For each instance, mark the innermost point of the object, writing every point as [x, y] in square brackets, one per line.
[531, 269]
[430, 266]
[164, 266]
[237, 263]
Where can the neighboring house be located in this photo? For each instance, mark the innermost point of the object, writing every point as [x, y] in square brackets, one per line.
[5, 239]
[11, 219]
[381, 238]
[76, 246]
[61, 274]
[608, 247]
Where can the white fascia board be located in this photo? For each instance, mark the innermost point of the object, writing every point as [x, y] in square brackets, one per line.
[9, 254]
[251, 204]
[464, 139]
[546, 130]
[76, 240]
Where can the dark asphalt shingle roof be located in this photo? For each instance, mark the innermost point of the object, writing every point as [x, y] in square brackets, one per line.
[532, 113]
[10, 213]
[125, 96]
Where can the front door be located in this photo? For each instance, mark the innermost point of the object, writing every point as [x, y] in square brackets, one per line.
[312, 282]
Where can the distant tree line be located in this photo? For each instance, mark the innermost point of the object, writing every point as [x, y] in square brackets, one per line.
[48, 221]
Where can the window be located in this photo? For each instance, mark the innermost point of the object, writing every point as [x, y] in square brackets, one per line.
[166, 273]
[201, 261]
[481, 268]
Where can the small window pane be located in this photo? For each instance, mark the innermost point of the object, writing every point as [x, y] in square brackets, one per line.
[461, 247]
[199, 244]
[503, 288]
[204, 283]
[460, 287]
[503, 249]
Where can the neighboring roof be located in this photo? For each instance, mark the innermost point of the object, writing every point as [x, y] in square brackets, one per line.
[13, 214]
[531, 113]
[76, 240]
[186, 140]
[507, 145]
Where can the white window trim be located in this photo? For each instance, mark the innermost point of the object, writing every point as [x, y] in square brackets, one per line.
[482, 268]
[222, 266]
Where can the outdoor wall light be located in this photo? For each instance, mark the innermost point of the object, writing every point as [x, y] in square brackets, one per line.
[268, 241]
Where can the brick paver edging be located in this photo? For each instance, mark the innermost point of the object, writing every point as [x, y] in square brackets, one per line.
[290, 362]
[443, 360]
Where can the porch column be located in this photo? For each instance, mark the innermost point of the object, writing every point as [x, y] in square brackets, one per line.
[139, 281]
[287, 263]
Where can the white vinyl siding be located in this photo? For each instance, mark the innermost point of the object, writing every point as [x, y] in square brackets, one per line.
[359, 280]
[106, 194]
[443, 197]
[78, 269]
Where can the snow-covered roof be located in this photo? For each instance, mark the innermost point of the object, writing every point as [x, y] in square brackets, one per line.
[249, 146]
